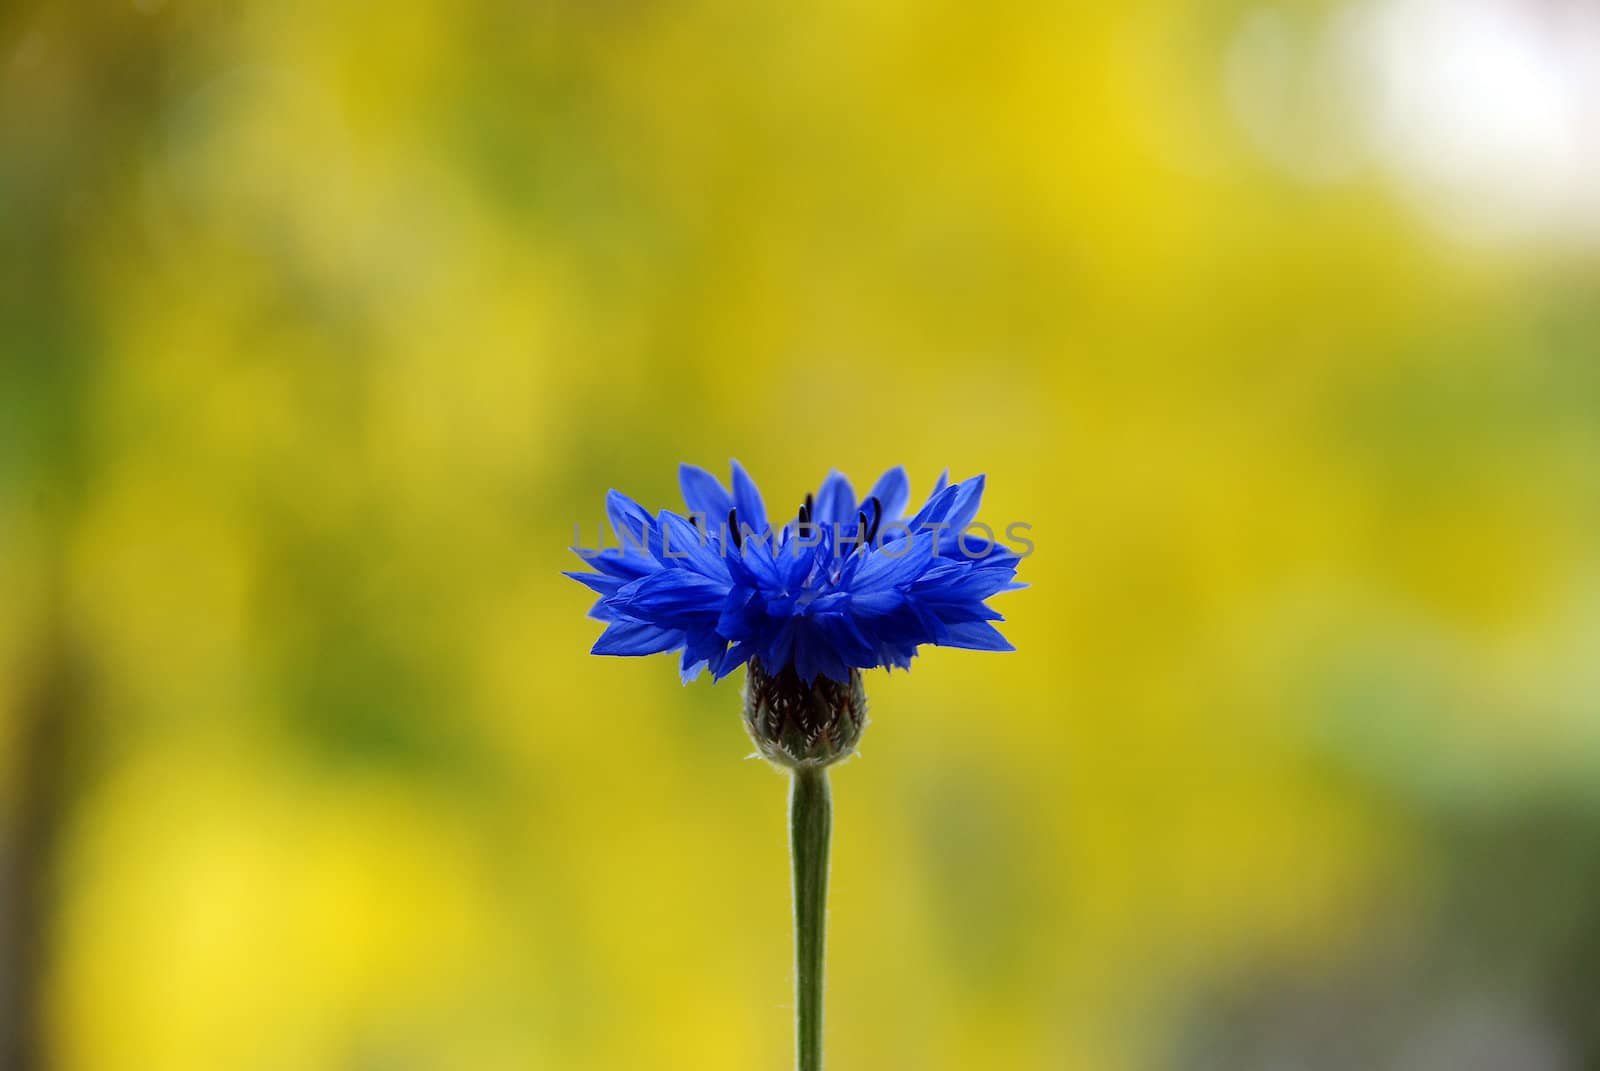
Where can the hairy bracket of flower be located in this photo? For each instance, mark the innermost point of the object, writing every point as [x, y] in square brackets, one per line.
[845, 585]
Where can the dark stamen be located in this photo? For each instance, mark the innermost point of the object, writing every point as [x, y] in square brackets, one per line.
[861, 528]
[733, 528]
[811, 506]
[877, 515]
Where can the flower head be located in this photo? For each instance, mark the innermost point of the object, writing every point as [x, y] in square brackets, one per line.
[846, 584]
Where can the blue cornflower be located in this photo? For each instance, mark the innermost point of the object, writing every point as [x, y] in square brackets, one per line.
[845, 585]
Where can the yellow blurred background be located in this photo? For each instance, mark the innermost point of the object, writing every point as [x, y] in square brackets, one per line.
[321, 326]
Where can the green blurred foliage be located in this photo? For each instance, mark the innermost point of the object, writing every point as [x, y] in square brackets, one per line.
[323, 325]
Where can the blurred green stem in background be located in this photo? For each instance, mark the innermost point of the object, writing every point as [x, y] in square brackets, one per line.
[810, 825]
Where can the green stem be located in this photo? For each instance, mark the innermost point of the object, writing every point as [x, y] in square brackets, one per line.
[810, 823]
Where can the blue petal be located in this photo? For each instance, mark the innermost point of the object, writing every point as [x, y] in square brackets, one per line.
[758, 559]
[667, 596]
[933, 511]
[779, 647]
[965, 505]
[629, 520]
[741, 612]
[898, 563]
[814, 656]
[836, 501]
[846, 638]
[893, 492]
[683, 546]
[976, 636]
[876, 603]
[795, 563]
[629, 563]
[747, 500]
[977, 547]
[737, 655]
[703, 648]
[704, 494]
[598, 582]
[903, 628]
[636, 638]
[953, 613]
[952, 582]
